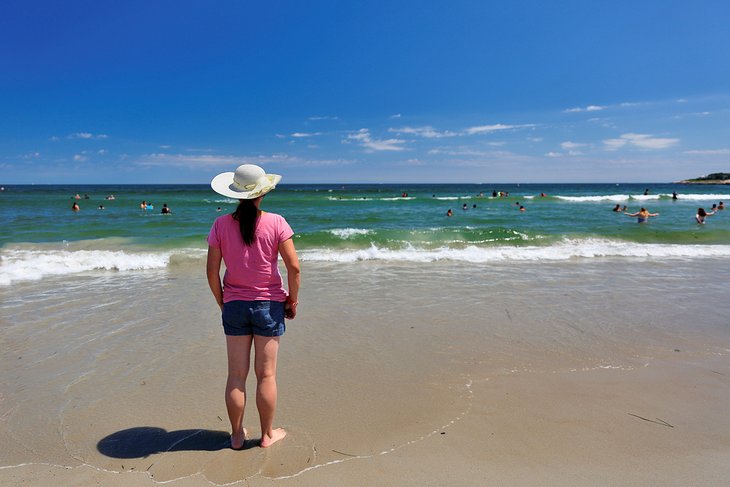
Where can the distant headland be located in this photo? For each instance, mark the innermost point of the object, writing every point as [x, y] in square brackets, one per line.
[714, 178]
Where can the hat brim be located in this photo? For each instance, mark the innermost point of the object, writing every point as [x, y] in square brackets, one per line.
[223, 185]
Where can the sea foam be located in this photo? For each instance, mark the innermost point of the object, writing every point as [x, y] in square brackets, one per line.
[565, 250]
[346, 233]
[641, 197]
[31, 265]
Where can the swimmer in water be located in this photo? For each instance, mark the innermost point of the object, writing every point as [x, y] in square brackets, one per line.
[449, 212]
[701, 215]
[642, 216]
[617, 208]
[75, 207]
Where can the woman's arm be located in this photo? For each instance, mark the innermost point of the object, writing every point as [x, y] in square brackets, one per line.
[213, 269]
[631, 214]
[293, 273]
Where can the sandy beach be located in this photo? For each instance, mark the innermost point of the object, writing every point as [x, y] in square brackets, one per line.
[600, 373]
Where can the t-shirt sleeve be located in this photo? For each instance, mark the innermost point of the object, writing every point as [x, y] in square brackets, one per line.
[285, 231]
[214, 236]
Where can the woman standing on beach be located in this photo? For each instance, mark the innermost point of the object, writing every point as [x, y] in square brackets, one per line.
[252, 299]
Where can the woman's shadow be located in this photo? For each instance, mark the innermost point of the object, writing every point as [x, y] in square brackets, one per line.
[143, 441]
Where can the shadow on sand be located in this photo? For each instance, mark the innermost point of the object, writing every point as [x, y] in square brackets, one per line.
[143, 441]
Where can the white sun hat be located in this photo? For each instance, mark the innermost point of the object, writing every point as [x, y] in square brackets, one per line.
[249, 181]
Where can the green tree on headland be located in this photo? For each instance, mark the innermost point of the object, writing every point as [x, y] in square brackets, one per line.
[719, 177]
[714, 175]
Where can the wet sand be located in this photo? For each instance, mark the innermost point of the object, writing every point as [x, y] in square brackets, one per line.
[524, 374]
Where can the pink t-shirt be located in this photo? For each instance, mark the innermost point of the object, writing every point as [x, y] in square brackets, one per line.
[252, 272]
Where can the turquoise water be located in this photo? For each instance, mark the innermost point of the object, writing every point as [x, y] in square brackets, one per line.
[361, 222]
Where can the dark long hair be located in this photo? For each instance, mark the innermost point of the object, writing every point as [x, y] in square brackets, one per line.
[246, 214]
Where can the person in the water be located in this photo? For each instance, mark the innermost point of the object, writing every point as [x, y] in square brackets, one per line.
[642, 216]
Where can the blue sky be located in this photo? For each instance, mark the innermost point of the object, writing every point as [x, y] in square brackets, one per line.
[352, 91]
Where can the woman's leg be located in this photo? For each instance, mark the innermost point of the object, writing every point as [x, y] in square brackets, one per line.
[267, 349]
[239, 362]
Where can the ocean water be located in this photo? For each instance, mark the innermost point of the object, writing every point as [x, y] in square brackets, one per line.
[42, 237]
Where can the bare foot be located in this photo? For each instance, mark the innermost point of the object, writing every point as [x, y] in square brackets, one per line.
[276, 435]
[238, 441]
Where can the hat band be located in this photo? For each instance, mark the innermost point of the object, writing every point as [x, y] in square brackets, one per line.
[247, 187]
[262, 183]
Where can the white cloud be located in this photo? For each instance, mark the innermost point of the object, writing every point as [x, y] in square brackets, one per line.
[205, 161]
[325, 117]
[614, 144]
[80, 158]
[642, 141]
[589, 108]
[165, 147]
[397, 115]
[709, 152]
[85, 135]
[461, 151]
[191, 161]
[305, 134]
[571, 147]
[427, 132]
[54, 139]
[646, 141]
[568, 145]
[363, 137]
[553, 154]
[485, 129]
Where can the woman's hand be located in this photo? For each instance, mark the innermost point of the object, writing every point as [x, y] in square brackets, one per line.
[290, 309]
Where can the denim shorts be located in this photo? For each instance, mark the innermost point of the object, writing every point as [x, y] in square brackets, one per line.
[263, 318]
